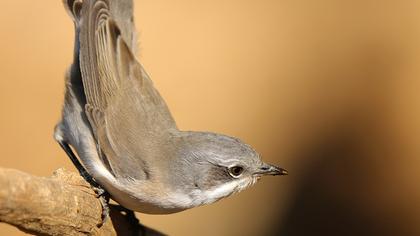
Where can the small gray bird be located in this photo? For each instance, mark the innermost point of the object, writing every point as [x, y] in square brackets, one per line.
[123, 133]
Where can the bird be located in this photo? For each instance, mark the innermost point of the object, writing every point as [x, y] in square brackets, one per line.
[119, 133]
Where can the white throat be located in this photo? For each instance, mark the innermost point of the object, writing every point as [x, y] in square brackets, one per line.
[185, 200]
[199, 197]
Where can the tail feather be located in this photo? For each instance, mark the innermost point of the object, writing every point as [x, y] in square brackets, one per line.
[121, 12]
[73, 8]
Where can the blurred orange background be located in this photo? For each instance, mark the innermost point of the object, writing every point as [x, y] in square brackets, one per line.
[326, 89]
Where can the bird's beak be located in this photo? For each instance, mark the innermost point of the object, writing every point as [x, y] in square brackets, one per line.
[267, 169]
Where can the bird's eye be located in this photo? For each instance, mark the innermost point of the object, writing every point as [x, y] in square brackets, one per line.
[236, 171]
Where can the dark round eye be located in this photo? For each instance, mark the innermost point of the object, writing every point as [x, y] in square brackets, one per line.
[236, 171]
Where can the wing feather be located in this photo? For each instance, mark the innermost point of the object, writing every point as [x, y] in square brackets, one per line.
[128, 116]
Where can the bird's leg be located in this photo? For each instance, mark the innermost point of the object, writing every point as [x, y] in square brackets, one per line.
[65, 146]
[101, 193]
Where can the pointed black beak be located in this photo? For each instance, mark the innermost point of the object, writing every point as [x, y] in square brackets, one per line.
[267, 169]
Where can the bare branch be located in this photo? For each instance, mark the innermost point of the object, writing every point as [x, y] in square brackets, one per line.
[63, 204]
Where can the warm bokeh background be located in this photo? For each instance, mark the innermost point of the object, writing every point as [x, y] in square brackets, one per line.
[327, 89]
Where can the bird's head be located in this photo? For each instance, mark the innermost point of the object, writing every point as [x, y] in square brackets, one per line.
[221, 165]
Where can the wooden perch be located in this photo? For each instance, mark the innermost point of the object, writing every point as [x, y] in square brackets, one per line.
[63, 204]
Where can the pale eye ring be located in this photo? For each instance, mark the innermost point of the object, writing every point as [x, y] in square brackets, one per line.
[235, 171]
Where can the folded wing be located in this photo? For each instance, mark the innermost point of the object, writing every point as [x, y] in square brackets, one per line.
[129, 118]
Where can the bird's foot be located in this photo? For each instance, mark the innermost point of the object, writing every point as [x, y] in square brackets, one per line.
[103, 197]
[101, 194]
